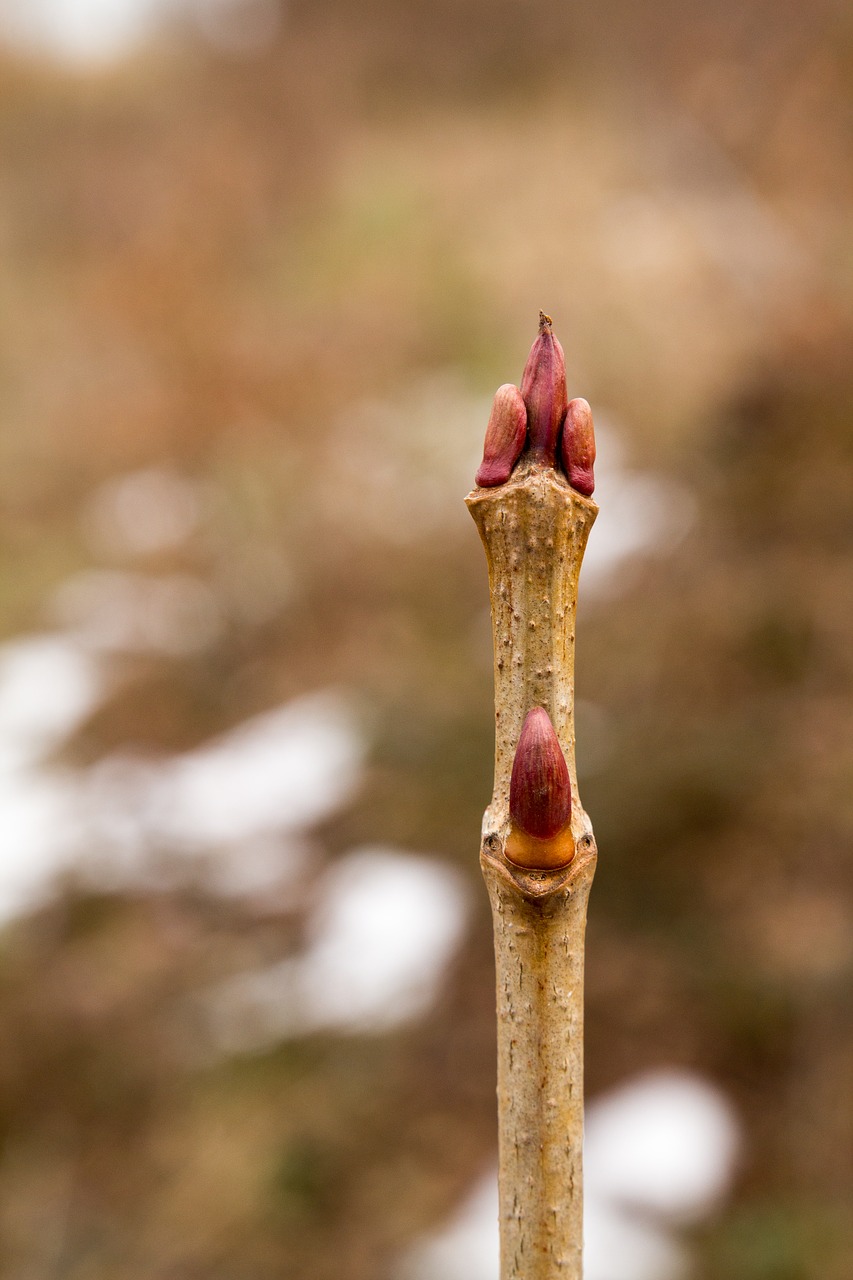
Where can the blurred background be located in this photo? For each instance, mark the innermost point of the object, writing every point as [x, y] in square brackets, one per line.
[262, 266]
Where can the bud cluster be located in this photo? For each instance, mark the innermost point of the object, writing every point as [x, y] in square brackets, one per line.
[538, 416]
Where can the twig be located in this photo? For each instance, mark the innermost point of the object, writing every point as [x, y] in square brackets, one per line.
[538, 852]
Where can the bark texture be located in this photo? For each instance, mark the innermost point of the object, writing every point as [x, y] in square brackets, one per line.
[534, 529]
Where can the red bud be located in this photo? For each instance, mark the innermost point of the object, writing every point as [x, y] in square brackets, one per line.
[504, 437]
[540, 791]
[544, 390]
[578, 447]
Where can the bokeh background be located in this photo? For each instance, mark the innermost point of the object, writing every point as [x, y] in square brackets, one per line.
[262, 266]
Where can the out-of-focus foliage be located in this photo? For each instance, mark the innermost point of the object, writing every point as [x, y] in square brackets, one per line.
[279, 275]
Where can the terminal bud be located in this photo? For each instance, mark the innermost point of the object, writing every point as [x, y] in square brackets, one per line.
[543, 387]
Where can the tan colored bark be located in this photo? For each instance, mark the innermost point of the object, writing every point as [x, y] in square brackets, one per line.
[534, 529]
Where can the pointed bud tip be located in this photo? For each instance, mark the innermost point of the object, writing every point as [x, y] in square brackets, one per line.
[543, 387]
[540, 792]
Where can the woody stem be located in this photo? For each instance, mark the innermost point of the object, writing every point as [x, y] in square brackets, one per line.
[534, 529]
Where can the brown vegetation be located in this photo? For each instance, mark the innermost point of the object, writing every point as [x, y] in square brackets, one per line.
[283, 276]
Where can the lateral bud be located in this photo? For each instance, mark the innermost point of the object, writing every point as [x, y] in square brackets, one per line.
[505, 436]
[578, 447]
[540, 798]
[543, 387]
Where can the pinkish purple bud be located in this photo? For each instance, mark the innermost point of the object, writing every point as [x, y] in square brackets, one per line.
[578, 447]
[504, 437]
[540, 791]
[544, 390]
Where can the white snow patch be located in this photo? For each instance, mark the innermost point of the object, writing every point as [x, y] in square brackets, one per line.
[618, 1246]
[659, 1151]
[142, 512]
[267, 868]
[80, 31]
[87, 32]
[467, 1248]
[48, 684]
[384, 928]
[37, 834]
[665, 1144]
[280, 771]
[112, 610]
[239, 803]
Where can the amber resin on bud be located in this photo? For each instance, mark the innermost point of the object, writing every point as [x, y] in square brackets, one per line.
[544, 390]
[540, 798]
[578, 447]
[505, 437]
